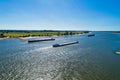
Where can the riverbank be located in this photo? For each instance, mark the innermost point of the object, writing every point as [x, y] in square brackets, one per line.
[33, 34]
[4, 38]
[30, 37]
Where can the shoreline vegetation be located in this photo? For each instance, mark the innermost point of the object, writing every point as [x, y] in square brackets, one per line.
[22, 34]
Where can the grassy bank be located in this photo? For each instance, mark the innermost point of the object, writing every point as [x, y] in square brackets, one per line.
[17, 34]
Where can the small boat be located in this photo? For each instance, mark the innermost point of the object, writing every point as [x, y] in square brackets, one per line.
[64, 44]
[90, 35]
[118, 52]
[51, 39]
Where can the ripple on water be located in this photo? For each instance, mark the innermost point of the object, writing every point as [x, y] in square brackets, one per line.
[84, 61]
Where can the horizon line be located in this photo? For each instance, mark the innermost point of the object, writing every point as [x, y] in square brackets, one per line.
[51, 30]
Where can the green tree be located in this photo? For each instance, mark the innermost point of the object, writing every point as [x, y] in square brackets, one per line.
[66, 33]
[2, 35]
[71, 33]
[58, 33]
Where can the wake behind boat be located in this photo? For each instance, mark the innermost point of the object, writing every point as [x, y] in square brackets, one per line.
[38, 40]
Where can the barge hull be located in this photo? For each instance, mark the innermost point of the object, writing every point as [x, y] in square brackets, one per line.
[40, 40]
[65, 44]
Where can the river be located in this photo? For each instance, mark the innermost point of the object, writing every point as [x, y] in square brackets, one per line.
[93, 58]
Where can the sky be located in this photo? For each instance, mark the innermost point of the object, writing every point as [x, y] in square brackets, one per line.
[98, 15]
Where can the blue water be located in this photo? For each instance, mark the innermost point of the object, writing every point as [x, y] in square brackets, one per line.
[93, 58]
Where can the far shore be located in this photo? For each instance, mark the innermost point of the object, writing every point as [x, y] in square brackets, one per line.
[23, 35]
[29, 37]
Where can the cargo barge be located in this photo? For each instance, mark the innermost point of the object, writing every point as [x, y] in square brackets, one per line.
[90, 35]
[65, 44]
[41, 40]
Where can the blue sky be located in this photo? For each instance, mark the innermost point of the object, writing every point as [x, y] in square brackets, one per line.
[60, 14]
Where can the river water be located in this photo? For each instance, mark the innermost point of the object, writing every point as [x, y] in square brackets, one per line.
[93, 58]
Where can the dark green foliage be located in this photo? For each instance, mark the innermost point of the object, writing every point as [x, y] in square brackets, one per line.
[2, 35]
[66, 33]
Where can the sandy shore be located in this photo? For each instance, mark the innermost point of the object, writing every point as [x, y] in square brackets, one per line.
[26, 38]
[4, 38]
